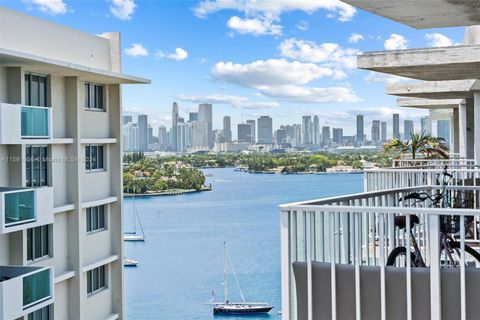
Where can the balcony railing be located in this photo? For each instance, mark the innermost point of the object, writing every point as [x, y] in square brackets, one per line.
[23, 208]
[24, 289]
[335, 250]
[19, 123]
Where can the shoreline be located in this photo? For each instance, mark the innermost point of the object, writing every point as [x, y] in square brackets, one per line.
[175, 192]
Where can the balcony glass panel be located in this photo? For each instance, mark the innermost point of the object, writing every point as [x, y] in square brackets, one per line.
[19, 207]
[36, 287]
[34, 122]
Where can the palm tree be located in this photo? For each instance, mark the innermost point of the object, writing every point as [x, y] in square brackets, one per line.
[420, 144]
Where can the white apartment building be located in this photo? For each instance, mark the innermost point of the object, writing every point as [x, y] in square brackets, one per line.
[61, 238]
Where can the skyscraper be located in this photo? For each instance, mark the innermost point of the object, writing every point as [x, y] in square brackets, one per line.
[244, 132]
[443, 130]
[408, 129]
[126, 119]
[181, 136]
[426, 125]
[325, 135]
[200, 135]
[205, 115]
[375, 131]
[338, 135]
[162, 137]
[306, 130]
[383, 133]
[281, 137]
[193, 116]
[360, 131]
[142, 123]
[265, 130]
[174, 125]
[227, 129]
[396, 126]
[316, 131]
[253, 136]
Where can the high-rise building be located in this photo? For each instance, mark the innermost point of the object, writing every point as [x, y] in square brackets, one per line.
[130, 137]
[150, 139]
[193, 116]
[306, 130]
[383, 134]
[205, 115]
[61, 238]
[408, 129]
[253, 136]
[338, 135]
[326, 135]
[375, 131]
[244, 132]
[200, 135]
[360, 131]
[227, 130]
[297, 137]
[126, 119]
[174, 125]
[142, 123]
[443, 130]
[396, 126]
[181, 136]
[162, 137]
[265, 130]
[281, 137]
[316, 131]
[426, 125]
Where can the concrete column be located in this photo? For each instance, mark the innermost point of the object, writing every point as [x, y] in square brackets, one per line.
[455, 131]
[470, 128]
[476, 125]
[462, 129]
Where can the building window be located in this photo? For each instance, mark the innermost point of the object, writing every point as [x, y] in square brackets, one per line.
[36, 166]
[35, 90]
[94, 97]
[42, 314]
[93, 157]
[96, 280]
[96, 218]
[38, 243]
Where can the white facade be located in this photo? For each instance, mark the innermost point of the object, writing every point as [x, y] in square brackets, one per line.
[81, 141]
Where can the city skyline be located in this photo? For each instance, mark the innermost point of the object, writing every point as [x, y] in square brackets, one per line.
[187, 67]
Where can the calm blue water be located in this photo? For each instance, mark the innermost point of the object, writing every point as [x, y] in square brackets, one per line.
[181, 262]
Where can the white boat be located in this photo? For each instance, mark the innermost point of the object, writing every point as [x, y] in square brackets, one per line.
[236, 308]
[128, 262]
[133, 235]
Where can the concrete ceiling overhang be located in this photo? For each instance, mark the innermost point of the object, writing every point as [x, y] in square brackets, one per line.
[428, 103]
[430, 64]
[456, 89]
[424, 14]
[61, 68]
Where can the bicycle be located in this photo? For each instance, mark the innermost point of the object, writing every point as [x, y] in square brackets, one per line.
[450, 251]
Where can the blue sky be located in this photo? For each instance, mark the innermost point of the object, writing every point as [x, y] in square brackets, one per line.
[283, 58]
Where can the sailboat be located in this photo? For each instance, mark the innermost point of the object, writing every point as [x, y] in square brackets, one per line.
[236, 308]
[133, 235]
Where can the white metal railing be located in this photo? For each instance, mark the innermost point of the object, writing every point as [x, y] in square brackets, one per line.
[455, 161]
[358, 231]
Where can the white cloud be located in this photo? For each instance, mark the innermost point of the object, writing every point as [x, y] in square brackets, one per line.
[330, 53]
[235, 101]
[376, 77]
[284, 80]
[53, 7]
[179, 54]
[273, 72]
[136, 50]
[302, 25]
[123, 9]
[438, 40]
[355, 37]
[274, 9]
[396, 42]
[254, 26]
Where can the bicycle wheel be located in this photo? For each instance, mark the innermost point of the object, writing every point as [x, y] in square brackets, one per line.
[472, 257]
[398, 257]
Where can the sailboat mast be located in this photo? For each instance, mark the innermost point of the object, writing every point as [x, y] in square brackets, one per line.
[225, 271]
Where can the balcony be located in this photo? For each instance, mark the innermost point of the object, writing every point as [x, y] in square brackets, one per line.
[24, 124]
[24, 290]
[23, 208]
[335, 251]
